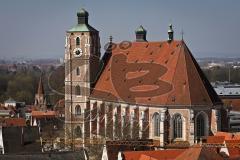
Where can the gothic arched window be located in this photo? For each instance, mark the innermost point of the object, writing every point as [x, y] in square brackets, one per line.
[78, 132]
[200, 126]
[77, 71]
[77, 41]
[78, 110]
[77, 90]
[177, 126]
[156, 124]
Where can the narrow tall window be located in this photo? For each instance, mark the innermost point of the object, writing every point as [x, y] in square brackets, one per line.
[200, 126]
[177, 126]
[77, 41]
[77, 71]
[78, 132]
[156, 124]
[78, 110]
[78, 90]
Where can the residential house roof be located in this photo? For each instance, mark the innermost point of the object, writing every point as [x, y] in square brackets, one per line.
[198, 153]
[13, 122]
[44, 114]
[153, 155]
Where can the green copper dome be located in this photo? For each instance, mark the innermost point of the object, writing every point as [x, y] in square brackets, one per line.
[82, 25]
[82, 13]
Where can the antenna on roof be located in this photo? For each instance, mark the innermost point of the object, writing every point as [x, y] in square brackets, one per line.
[182, 33]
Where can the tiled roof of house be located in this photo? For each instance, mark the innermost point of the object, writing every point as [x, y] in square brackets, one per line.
[153, 155]
[154, 73]
[44, 114]
[232, 141]
[228, 136]
[11, 122]
[215, 139]
[199, 153]
[233, 148]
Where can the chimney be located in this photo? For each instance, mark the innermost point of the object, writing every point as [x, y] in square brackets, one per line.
[82, 16]
[141, 34]
[170, 33]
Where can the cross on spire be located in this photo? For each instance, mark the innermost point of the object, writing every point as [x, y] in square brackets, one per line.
[182, 34]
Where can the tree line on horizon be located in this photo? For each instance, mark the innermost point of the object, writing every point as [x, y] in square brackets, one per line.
[22, 85]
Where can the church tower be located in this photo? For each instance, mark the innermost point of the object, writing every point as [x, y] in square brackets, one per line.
[40, 99]
[82, 54]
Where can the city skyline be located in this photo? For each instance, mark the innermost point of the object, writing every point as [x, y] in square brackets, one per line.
[36, 29]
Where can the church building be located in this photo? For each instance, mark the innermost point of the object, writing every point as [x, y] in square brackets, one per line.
[138, 89]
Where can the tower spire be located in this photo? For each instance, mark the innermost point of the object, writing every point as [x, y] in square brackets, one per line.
[40, 87]
[82, 16]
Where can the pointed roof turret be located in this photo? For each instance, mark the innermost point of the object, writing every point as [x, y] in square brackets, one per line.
[82, 25]
[141, 34]
[40, 90]
[82, 16]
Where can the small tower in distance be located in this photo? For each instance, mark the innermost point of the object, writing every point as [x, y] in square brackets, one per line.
[40, 99]
[141, 34]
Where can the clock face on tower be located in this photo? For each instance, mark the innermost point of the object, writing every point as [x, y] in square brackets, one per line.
[77, 52]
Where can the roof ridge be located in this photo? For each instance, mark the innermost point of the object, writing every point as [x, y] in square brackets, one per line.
[189, 93]
[173, 77]
[198, 75]
[203, 78]
[187, 73]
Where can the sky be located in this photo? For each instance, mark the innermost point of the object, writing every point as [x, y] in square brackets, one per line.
[35, 29]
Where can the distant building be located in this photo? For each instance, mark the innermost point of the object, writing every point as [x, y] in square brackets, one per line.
[10, 102]
[230, 95]
[225, 90]
[215, 65]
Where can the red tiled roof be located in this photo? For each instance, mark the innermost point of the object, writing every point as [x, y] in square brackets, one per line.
[235, 103]
[229, 136]
[43, 114]
[215, 139]
[16, 122]
[233, 148]
[158, 155]
[154, 73]
[199, 153]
